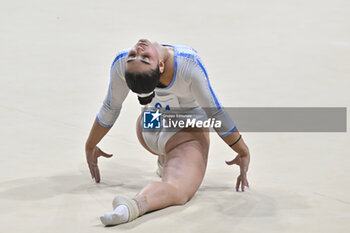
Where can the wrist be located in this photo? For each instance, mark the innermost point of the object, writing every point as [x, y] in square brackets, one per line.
[89, 146]
[244, 153]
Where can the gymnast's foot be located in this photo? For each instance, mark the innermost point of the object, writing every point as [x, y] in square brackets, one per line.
[118, 216]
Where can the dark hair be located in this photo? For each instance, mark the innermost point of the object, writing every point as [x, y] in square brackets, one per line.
[146, 100]
[143, 83]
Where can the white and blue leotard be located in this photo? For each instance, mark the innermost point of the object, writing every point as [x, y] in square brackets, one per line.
[190, 87]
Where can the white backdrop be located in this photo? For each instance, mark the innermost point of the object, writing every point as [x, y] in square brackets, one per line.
[55, 58]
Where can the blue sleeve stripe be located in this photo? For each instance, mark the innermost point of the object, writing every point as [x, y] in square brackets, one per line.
[187, 55]
[230, 132]
[104, 125]
[119, 56]
[110, 79]
[193, 58]
[211, 90]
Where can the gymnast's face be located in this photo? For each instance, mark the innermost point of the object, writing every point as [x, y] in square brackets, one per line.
[143, 57]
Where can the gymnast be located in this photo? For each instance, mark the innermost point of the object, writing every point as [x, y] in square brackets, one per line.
[164, 77]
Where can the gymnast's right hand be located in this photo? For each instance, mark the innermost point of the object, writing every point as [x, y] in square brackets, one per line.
[91, 158]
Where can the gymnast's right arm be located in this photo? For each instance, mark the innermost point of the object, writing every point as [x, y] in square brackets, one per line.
[108, 114]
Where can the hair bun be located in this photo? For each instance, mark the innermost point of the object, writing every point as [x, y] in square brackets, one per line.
[146, 99]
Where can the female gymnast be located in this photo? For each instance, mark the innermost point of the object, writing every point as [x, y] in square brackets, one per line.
[169, 76]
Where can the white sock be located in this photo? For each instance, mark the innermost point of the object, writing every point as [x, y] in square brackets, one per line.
[118, 216]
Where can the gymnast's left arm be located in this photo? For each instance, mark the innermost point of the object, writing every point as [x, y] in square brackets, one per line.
[205, 96]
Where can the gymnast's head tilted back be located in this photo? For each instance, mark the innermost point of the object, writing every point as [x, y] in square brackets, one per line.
[142, 70]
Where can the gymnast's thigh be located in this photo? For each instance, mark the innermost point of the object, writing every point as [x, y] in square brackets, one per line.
[139, 135]
[186, 160]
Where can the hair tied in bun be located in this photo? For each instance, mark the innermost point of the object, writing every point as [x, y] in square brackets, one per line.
[145, 98]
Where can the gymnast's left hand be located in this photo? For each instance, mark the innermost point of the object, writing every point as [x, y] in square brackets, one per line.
[91, 157]
[243, 163]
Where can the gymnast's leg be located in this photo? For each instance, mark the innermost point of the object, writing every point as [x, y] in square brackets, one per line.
[183, 172]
